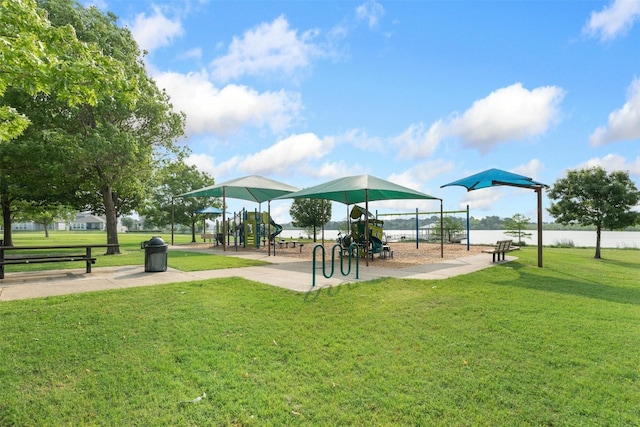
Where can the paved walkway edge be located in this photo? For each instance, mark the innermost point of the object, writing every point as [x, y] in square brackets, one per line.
[288, 273]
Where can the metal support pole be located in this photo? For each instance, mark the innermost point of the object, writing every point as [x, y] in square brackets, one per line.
[441, 230]
[417, 229]
[539, 191]
[172, 218]
[224, 219]
[468, 228]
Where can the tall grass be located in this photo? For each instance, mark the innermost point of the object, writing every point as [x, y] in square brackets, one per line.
[510, 345]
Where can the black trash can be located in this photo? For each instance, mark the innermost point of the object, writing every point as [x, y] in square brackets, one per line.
[155, 255]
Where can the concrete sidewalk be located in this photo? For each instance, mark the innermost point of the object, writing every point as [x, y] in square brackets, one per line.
[284, 272]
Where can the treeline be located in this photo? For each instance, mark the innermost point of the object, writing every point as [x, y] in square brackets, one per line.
[486, 223]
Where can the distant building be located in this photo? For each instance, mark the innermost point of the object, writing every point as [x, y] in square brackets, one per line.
[32, 226]
[87, 222]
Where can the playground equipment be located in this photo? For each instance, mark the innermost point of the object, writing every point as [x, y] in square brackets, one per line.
[249, 229]
[358, 229]
[256, 228]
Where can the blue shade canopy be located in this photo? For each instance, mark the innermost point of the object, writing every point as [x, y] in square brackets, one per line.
[496, 177]
[253, 188]
[211, 210]
[358, 189]
[493, 177]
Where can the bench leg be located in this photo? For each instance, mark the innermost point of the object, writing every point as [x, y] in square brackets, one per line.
[88, 260]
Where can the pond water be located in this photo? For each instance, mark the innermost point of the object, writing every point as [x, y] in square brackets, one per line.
[610, 239]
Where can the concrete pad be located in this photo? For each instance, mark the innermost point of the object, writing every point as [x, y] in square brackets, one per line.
[288, 273]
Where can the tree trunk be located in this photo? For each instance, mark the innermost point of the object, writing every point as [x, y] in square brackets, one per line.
[598, 233]
[193, 230]
[112, 220]
[6, 218]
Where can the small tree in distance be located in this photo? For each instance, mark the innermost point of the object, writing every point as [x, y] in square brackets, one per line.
[593, 197]
[515, 227]
[450, 227]
[309, 213]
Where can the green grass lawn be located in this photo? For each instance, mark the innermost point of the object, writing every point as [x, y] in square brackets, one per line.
[510, 345]
[130, 252]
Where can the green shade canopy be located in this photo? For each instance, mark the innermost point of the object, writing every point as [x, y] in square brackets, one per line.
[494, 177]
[253, 188]
[358, 189]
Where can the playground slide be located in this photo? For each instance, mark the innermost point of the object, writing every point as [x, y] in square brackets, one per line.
[278, 230]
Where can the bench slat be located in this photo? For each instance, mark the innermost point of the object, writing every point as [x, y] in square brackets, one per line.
[40, 260]
[501, 248]
[59, 257]
[23, 257]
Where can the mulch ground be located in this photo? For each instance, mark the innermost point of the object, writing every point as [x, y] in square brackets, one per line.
[405, 254]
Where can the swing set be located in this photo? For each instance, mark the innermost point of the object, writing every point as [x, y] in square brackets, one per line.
[426, 234]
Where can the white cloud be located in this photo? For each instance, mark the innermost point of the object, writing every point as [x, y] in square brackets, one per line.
[154, 31]
[227, 110]
[203, 162]
[613, 162]
[195, 53]
[531, 169]
[506, 114]
[482, 200]
[614, 20]
[510, 113]
[333, 170]
[206, 163]
[624, 123]
[288, 153]
[268, 48]
[416, 142]
[371, 11]
[361, 140]
[420, 174]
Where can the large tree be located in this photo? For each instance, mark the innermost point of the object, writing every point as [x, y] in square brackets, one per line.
[175, 179]
[310, 213]
[112, 147]
[594, 197]
[38, 57]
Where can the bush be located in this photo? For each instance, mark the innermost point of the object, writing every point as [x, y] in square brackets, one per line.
[564, 243]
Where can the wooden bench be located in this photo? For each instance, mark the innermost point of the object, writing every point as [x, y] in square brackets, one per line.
[36, 258]
[501, 248]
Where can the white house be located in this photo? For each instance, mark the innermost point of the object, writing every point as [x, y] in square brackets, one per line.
[87, 222]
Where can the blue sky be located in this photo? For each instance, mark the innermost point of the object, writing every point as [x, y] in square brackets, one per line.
[420, 93]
